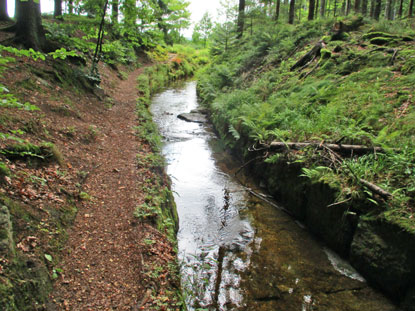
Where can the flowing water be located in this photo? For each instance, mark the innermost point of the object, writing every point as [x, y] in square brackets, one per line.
[238, 251]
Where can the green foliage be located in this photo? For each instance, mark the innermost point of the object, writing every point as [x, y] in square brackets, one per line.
[353, 91]
[62, 53]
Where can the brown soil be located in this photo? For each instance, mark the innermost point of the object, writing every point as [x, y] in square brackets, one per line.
[107, 260]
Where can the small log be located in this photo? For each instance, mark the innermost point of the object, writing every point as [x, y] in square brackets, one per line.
[344, 149]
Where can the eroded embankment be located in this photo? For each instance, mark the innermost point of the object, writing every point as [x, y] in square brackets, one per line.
[381, 251]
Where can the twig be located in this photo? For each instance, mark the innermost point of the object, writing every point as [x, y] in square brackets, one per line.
[338, 203]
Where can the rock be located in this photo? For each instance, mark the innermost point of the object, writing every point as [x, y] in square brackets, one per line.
[193, 117]
[385, 255]
[200, 110]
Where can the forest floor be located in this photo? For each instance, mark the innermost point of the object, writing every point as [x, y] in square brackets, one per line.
[109, 260]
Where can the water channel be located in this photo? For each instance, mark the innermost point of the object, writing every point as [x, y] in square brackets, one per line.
[238, 252]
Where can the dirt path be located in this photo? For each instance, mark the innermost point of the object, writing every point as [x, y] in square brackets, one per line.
[103, 259]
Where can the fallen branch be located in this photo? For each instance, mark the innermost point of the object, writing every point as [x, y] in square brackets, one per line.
[349, 149]
[376, 189]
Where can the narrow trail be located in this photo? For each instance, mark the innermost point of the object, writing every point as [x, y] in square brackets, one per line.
[103, 258]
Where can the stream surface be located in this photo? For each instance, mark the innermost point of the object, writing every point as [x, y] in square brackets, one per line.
[238, 252]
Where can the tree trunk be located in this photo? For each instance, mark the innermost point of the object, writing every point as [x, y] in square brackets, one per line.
[372, 8]
[348, 6]
[311, 7]
[378, 7]
[58, 9]
[411, 7]
[241, 18]
[364, 7]
[29, 30]
[335, 8]
[70, 6]
[277, 9]
[389, 9]
[114, 15]
[322, 7]
[317, 7]
[357, 6]
[291, 13]
[400, 9]
[4, 16]
[343, 8]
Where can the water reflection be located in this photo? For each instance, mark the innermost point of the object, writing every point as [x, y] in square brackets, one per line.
[238, 252]
[213, 237]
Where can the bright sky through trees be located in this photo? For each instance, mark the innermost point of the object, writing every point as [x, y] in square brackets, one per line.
[196, 7]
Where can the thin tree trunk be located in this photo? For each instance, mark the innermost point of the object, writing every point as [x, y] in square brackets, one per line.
[322, 7]
[400, 9]
[348, 6]
[29, 30]
[364, 7]
[372, 8]
[411, 8]
[389, 9]
[378, 7]
[335, 8]
[311, 8]
[58, 9]
[317, 8]
[291, 13]
[277, 9]
[114, 11]
[357, 6]
[241, 18]
[343, 8]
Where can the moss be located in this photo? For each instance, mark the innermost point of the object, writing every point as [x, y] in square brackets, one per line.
[408, 67]
[379, 34]
[382, 41]
[4, 170]
[46, 152]
[7, 300]
[325, 53]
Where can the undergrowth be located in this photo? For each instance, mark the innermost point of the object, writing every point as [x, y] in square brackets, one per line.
[354, 92]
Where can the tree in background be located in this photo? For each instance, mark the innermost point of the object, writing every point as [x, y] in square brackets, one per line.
[291, 13]
[57, 13]
[203, 29]
[241, 18]
[311, 8]
[29, 30]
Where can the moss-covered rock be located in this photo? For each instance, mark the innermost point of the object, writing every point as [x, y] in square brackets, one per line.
[382, 41]
[44, 152]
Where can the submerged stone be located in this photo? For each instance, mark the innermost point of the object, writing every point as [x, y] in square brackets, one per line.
[193, 117]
